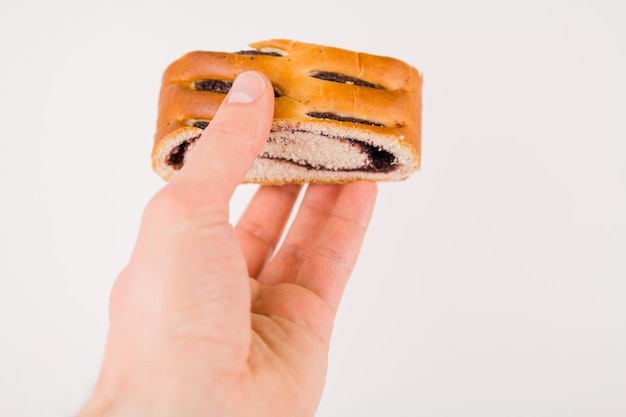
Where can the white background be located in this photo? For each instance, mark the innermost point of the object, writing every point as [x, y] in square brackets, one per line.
[491, 283]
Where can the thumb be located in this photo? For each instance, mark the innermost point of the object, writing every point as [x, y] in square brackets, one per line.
[233, 139]
[187, 255]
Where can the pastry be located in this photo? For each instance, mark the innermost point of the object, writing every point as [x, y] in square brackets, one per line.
[339, 115]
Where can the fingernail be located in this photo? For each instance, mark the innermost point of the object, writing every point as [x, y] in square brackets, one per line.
[248, 86]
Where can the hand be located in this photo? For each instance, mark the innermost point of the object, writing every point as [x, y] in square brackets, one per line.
[208, 319]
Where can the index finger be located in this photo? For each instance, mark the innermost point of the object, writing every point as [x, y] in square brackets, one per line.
[331, 259]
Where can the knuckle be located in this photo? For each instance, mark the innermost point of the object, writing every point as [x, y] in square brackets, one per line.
[334, 256]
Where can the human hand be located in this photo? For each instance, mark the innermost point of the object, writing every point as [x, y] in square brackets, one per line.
[208, 319]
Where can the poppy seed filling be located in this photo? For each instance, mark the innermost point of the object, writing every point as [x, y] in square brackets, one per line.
[355, 155]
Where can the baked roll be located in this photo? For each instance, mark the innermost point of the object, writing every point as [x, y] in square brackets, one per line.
[339, 115]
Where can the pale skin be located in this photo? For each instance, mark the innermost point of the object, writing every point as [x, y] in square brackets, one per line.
[211, 319]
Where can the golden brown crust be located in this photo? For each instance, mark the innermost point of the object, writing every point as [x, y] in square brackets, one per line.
[395, 108]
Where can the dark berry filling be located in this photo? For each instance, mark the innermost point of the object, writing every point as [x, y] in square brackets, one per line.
[345, 79]
[333, 116]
